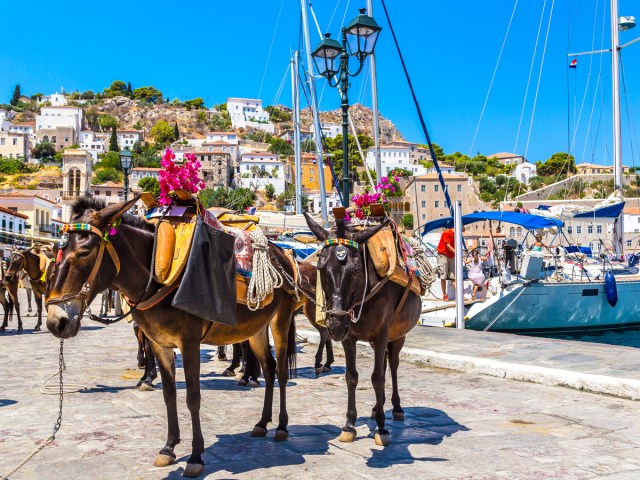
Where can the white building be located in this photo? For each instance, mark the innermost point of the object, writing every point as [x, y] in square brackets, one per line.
[222, 142]
[5, 119]
[12, 222]
[506, 158]
[329, 130]
[128, 138]
[138, 173]
[524, 171]
[444, 168]
[248, 113]
[395, 156]
[14, 145]
[93, 142]
[37, 209]
[56, 99]
[64, 123]
[27, 128]
[332, 200]
[258, 169]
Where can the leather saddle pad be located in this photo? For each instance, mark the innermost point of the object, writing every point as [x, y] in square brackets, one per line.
[242, 285]
[388, 261]
[172, 250]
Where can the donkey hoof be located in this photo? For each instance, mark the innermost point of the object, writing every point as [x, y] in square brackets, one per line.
[399, 416]
[259, 432]
[163, 460]
[228, 373]
[281, 436]
[253, 384]
[242, 382]
[146, 387]
[222, 357]
[36, 329]
[193, 470]
[20, 328]
[347, 436]
[382, 439]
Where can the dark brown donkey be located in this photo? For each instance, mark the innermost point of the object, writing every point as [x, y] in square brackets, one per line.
[388, 313]
[76, 282]
[30, 261]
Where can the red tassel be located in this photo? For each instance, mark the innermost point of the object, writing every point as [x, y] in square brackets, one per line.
[59, 257]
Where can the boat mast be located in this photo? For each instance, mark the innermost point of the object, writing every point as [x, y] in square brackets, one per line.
[314, 107]
[374, 105]
[617, 140]
[295, 94]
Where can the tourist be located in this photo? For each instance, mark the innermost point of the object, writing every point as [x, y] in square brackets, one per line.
[538, 245]
[446, 262]
[475, 274]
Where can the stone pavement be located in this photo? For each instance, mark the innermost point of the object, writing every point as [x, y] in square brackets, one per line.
[458, 425]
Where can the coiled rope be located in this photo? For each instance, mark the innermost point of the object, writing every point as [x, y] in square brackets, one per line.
[427, 275]
[264, 277]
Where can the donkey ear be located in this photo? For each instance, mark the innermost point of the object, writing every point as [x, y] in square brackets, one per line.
[111, 213]
[320, 233]
[365, 235]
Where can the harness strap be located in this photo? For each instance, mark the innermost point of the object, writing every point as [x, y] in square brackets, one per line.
[403, 299]
[373, 291]
[155, 299]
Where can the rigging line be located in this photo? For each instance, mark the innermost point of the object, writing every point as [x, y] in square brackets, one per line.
[495, 70]
[315, 19]
[526, 92]
[590, 124]
[273, 39]
[627, 104]
[333, 14]
[276, 97]
[535, 101]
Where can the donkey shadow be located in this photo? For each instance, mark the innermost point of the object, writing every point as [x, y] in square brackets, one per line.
[422, 425]
[235, 454]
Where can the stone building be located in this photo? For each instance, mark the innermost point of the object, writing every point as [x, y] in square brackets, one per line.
[77, 168]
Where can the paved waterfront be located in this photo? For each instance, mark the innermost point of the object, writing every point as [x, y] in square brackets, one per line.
[458, 426]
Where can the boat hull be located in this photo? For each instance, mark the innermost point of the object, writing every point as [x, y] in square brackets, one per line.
[557, 307]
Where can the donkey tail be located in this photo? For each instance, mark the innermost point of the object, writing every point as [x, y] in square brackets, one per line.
[292, 355]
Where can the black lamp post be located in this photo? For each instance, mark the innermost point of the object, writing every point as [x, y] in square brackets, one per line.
[126, 160]
[332, 60]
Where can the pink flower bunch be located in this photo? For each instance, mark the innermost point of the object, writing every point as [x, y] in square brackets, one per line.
[176, 177]
[385, 186]
[364, 201]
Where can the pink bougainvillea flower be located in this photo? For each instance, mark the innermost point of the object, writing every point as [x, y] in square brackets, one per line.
[113, 231]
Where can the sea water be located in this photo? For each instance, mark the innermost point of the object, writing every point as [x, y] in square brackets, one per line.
[628, 337]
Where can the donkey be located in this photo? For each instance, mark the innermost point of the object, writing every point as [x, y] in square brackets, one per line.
[88, 264]
[28, 260]
[362, 306]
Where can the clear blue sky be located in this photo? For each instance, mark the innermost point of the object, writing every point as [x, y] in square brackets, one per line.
[219, 49]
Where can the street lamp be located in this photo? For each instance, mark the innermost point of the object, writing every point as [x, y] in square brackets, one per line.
[126, 160]
[332, 60]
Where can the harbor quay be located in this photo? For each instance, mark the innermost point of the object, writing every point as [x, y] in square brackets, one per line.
[458, 424]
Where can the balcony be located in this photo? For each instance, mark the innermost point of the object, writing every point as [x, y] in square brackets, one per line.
[71, 195]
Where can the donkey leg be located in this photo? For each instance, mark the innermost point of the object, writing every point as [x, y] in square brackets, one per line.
[16, 306]
[260, 346]
[330, 359]
[394, 361]
[38, 299]
[377, 380]
[139, 338]
[349, 430]
[7, 310]
[191, 362]
[284, 335]
[235, 361]
[166, 361]
[384, 397]
[150, 371]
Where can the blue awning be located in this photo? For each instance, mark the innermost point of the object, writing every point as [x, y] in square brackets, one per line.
[610, 211]
[530, 222]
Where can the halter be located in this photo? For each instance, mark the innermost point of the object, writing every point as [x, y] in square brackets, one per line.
[341, 241]
[40, 278]
[104, 244]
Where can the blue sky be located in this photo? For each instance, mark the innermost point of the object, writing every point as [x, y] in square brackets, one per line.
[219, 49]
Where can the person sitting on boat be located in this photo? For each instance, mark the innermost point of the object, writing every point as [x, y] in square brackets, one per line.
[475, 273]
[538, 245]
[446, 262]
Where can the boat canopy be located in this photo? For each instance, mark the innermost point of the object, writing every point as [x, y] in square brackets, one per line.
[530, 222]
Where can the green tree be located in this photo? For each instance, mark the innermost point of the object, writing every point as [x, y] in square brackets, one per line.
[88, 95]
[15, 98]
[196, 103]
[277, 114]
[162, 133]
[151, 185]
[44, 151]
[108, 122]
[308, 146]
[105, 175]
[113, 141]
[238, 199]
[558, 163]
[270, 191]
[220, 122]
[437, 149]
[108, 160]
[407, 221]
[117, 89]
[148, 95]
[280, 146]
[176, 131]
[129, 90]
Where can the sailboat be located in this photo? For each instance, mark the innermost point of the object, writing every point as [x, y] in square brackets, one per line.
[537, 302]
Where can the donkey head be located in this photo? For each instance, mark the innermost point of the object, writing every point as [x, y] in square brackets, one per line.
[68, 292]
[341, 269]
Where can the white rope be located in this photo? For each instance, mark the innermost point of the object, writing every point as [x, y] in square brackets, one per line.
[535, 98]
[495, 70]
[264, 277]
[426, 275]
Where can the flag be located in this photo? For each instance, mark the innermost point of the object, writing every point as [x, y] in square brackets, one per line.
[574, 63]
[251, 210]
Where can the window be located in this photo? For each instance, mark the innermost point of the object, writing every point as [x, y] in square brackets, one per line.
[108, 193]
[437, 204]
[519, 231]
[590, 229]
[569, 230]
[66, 139]
[1, 141]
[599, 229]
[579, 230]
[459, 187]
[436, 188]
[512, 232]
[97, 192]
[424, 203]
[628, 243]
[424, 216]
[15, 141]
[423, 188]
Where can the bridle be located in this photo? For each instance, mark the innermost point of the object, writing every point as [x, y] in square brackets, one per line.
[23, 265]
[105, 244]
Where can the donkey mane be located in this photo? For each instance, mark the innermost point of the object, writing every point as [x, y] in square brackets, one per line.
[84, 203]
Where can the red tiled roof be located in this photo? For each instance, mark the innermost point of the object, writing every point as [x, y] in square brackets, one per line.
[19, 194]
[11, 212]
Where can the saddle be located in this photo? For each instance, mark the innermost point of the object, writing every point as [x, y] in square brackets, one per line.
[388, 257]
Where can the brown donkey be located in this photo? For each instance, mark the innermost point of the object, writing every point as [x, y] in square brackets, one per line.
[362, 306]
[87, 265]
[30, 262]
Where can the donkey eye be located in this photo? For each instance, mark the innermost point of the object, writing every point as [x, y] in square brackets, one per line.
[83, 253]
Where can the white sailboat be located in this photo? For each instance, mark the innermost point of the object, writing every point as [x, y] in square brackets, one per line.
[531, 302]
